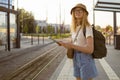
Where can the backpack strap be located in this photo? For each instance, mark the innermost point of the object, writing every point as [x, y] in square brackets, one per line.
[76, 35]
[84, 32]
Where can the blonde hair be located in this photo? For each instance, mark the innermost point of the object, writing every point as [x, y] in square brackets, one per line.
[84, 22]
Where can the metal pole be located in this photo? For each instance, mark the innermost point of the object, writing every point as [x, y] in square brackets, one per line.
[43, 38]
[38, 39]
[8, 25]
[114, 24]
[93, 14]
[60, 15]
[18, 29]
[31, 39]
[43, 35]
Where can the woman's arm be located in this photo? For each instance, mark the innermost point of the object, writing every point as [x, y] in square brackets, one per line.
[89, 48]
[85, 49]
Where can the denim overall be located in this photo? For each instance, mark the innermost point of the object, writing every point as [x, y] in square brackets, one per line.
[84, 66]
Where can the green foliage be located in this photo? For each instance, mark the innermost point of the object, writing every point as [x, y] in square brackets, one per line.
[109, 28]
[50, 29]
[26, 18]
[37, 29]
[55, 36]
[97, 27]
[25, 29]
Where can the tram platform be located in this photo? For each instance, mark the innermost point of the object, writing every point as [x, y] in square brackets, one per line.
[108, 67]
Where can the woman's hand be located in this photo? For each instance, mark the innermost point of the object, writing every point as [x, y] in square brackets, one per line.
[65, 44]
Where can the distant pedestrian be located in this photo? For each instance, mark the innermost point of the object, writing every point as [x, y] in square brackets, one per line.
[84, 65]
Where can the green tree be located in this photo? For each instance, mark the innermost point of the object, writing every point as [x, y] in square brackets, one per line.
[109, 28]
[37, 29]
[98, 27]
[25, 29]
[26, 18]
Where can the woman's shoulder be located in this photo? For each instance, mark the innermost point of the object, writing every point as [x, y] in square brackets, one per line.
[89, 27]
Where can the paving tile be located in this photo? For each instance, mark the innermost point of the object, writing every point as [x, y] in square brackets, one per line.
[67, 71]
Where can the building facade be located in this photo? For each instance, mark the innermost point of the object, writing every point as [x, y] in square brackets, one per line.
[4, 3]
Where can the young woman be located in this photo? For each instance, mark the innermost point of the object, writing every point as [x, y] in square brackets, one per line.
[84, 65]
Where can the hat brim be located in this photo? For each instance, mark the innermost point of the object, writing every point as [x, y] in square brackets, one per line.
[78, 7]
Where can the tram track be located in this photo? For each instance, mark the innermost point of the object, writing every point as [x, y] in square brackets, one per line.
[24, 52]
[50, 62]
[32, 69]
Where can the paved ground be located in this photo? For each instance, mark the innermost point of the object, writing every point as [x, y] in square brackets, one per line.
[25, 43]
[108, 67]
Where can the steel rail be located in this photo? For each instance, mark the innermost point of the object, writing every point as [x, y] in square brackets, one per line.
[46, 66]
[13, 74]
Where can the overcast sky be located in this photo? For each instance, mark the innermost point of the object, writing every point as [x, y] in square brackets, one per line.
[51, 9]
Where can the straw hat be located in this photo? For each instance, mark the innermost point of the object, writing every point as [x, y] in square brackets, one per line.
[79, 6]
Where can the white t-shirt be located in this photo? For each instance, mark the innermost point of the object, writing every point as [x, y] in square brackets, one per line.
[81, 40]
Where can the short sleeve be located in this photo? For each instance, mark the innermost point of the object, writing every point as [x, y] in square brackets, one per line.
[89, 31]
[73, 35]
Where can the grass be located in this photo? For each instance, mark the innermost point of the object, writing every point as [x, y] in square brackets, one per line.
[54, 36]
